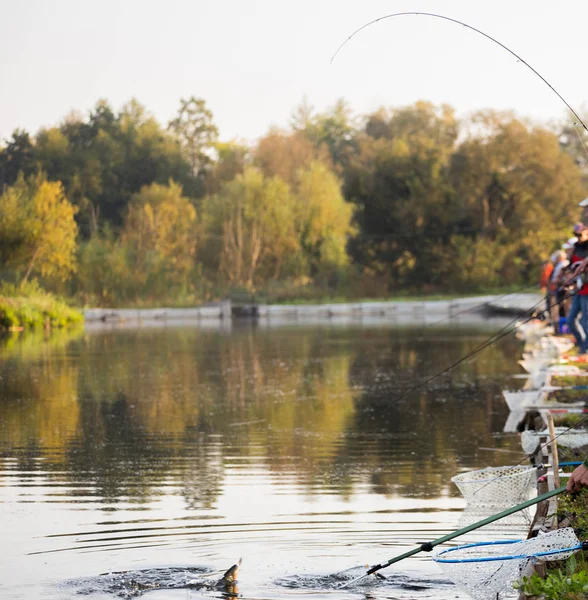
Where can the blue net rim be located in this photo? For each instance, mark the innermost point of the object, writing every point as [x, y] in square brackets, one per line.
[438, 558]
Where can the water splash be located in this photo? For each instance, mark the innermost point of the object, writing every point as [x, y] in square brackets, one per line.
[131, 584]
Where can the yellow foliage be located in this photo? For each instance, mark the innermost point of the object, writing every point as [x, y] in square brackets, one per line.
[160, 219]
[54, 231]
[39, 221]
[323, 215]
[254, 217]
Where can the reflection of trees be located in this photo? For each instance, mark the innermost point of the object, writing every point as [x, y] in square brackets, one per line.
[38, 408]
[419, 439]
[131, 414]
[204, 472]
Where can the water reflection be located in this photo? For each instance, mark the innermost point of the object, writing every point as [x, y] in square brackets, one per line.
[131, 415]
[148, 449]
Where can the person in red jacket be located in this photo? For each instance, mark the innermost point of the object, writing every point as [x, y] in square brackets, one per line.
[546, 275]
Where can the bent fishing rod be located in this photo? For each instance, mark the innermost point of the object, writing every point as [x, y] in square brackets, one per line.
[502, 332]
[493, 339]
[456, 21]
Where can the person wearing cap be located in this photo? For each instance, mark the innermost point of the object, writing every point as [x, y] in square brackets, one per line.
[569, 246]
[578, 265]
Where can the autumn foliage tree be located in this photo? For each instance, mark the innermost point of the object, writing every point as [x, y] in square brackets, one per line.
[38, 229]
[160, 223]
[250, 225]
[323, 220]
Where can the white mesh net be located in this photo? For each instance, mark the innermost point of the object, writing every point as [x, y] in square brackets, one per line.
[569, 438]
[496, 485]
[485, 571]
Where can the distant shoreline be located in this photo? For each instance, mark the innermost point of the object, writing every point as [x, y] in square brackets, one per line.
[397, 309]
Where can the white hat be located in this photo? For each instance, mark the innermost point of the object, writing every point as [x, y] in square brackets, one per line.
[555, 256]
[584, 202]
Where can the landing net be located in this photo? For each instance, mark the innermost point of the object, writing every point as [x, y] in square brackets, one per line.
[496, 486]
[485, 569]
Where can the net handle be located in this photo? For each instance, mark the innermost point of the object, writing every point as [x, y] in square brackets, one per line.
[427, 547]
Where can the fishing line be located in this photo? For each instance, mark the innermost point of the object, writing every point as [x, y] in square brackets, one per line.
[502, 332]
[550, 440]
[437, 16]
[498, 335]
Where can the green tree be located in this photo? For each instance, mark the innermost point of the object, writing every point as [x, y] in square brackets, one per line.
[336, 129]
[17, 157]
[232, 158]
[518, 192]
[250, 228]
[397, 179]
[280, 154]
[195, 131]
[105, 276]
[105, 159]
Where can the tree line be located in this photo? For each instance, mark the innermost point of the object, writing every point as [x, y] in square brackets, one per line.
[117, 208]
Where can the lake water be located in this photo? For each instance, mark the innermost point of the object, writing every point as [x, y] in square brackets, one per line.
[170, 452]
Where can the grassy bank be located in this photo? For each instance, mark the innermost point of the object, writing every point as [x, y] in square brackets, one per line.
[34, 308]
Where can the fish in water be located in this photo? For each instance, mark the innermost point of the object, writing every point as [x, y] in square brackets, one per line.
[130, 584]
[228, 581]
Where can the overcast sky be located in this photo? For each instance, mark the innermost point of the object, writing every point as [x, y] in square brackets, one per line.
[253, 61]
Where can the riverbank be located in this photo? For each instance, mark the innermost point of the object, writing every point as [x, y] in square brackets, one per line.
[40, 310]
